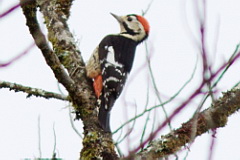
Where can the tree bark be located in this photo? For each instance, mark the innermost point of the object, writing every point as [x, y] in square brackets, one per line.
[96, 143]
[212, 118]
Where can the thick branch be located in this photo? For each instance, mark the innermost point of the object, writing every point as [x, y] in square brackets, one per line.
[214, 117]
[69, 56]
[32, 91]
[64, 6]
[29, 10]
[96, 143]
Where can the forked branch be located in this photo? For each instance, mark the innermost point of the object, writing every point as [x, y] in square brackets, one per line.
[65, 55]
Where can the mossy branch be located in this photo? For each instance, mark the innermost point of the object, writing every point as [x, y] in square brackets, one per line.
[214, 117]
[32, 91]
[66, 55]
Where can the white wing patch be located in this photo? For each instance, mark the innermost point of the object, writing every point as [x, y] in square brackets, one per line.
[110, 79]
[111, 56]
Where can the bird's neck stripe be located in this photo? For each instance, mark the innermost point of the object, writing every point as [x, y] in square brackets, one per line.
[129, 31]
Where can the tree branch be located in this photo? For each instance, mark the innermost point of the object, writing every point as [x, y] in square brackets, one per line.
[214, 117]
[29, 10]
[7, 12]
[96, 142]
[32, 91]
[69, 56]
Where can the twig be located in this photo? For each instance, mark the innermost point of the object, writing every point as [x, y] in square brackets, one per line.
[147, 119]
[147, 9]
[237, 85]
[116, 144]
[13, 8]
[145, 128]
[32, 91]
[130, 130]
[206, 69]
[222, 74]
[39, 137]
[72, 124]
[184, 104]
[155, 85]
[119, 150]
[55, 142]
[156, 106]
[154, 121]
[212, 145]
[211, 118]
[9, 10]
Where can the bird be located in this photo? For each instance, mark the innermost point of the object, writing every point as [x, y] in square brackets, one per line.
[111, 63]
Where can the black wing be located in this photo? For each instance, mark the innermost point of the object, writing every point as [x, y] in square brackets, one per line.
[116, 56]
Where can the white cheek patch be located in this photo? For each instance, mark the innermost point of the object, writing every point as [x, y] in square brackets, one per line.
[135, 26]
[111, 56]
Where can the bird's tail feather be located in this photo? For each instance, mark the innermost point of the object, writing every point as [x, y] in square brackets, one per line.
[103, 118]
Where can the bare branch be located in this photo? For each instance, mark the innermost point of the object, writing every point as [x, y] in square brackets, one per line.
[39, 137]
[55, 142]
[13, 8]
[32, 91]
[7, 12]
[222, 74]
[72, 124]
[144, 12]
[156, 90]
[157, 106]
[213, 144]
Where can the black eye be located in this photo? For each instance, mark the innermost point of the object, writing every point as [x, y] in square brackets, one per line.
[129, 19]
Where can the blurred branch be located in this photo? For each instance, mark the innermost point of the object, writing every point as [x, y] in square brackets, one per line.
[13, 8]
[72, 123]
[147, 119]
[32, 91]
[39, 137]
[214, 117]
[222, 74]
[237, 85]
[55, 142]
[184, 104]
[156, 106]
[129, 130]
[8, 11]
[145, 128]
[27, 50]
[157, 93]
[213, 144]
[144, 12]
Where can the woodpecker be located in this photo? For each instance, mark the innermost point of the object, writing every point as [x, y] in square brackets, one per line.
[112, 61]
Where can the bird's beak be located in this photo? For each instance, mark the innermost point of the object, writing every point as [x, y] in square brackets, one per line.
[118, 18]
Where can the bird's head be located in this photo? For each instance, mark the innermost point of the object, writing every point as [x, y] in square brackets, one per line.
[133, 26]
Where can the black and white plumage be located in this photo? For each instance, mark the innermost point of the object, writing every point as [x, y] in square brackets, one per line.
[112, 61]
